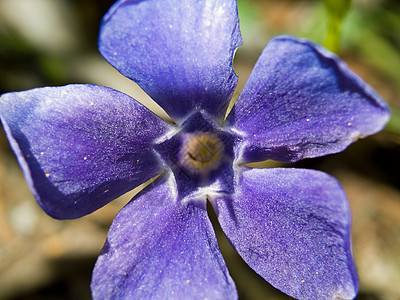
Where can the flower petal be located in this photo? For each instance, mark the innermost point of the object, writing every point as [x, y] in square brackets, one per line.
[292, 226]
[162, 247]
[301, 101]
[179, 52]
[80, 146]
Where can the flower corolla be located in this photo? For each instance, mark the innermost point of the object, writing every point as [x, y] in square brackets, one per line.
[81, 146]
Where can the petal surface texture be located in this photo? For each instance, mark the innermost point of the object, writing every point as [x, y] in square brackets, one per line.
[159, 247]
[301, 101]
[80, 146]
[179, 51]
[292, 226]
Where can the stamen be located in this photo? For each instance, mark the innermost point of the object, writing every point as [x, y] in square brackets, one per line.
[201, 152]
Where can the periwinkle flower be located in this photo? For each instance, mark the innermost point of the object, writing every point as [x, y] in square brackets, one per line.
[81, 146]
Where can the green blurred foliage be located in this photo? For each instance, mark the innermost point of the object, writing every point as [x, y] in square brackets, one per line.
[336, 11]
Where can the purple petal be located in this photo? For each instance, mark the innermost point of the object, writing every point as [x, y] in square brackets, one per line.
[292, 226]
[179, 52]
[301, 101]
[162, 247]
[80, 146]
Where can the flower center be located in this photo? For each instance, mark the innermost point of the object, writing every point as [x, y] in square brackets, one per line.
[201, 152]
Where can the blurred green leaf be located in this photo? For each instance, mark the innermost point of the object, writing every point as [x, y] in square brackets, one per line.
[54, 68]
[394, 122]
[382, 54]
[336, 10]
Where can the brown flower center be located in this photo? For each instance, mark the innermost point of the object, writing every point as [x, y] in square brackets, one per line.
[201, 152]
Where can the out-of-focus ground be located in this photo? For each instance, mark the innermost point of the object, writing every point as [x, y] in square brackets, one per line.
[53, 42]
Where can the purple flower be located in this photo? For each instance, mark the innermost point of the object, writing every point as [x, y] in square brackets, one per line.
[81, 146]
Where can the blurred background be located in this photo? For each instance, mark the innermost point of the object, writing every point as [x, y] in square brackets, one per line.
[54, 42]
